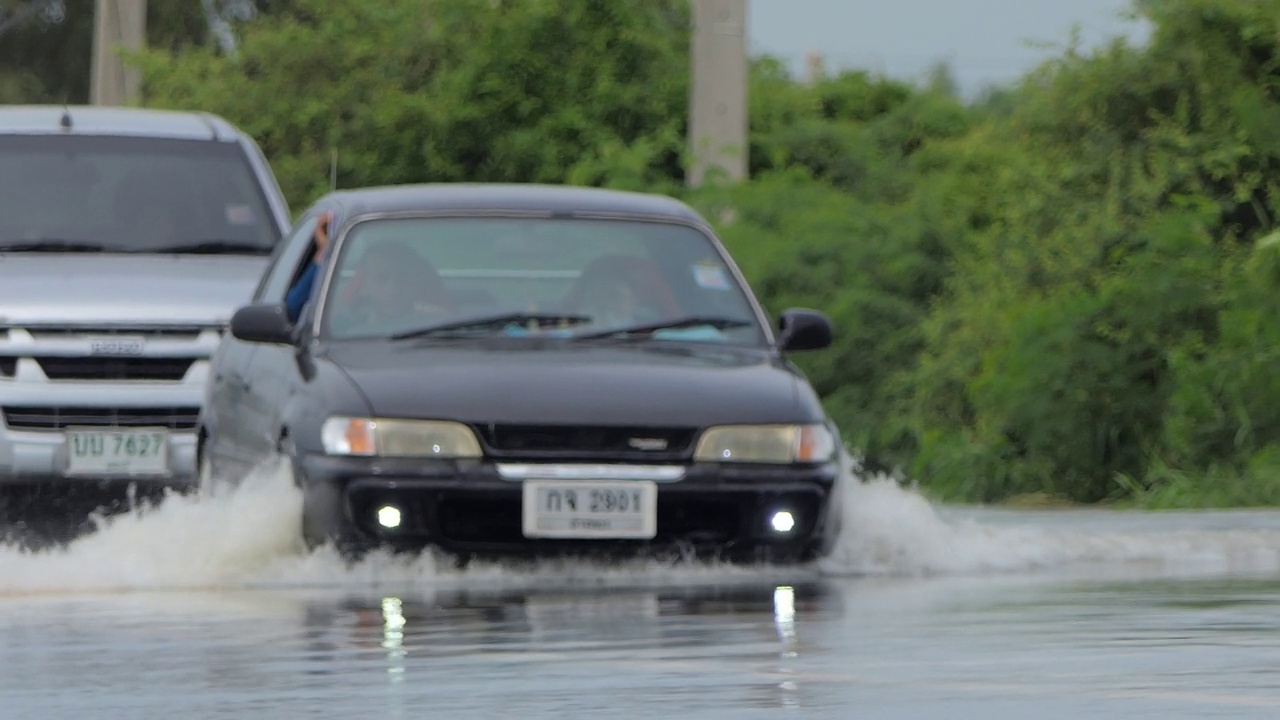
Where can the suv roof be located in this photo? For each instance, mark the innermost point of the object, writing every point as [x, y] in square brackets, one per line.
[98, 120]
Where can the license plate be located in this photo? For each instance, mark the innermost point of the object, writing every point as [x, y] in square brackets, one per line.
[590, 509]
[116, 346]
[117, 452]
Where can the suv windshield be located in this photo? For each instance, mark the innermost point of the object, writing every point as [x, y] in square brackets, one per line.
[130, 194]
[404, 278]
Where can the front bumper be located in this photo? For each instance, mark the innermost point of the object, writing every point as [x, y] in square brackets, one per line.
[475, 508]
[41, 457]
[35, 417]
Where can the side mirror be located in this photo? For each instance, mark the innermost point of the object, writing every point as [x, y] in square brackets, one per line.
[262, 323]
[801, 329]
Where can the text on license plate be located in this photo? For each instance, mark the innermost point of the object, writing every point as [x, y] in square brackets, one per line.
[117, 452]
[116, 346]
[590, 509]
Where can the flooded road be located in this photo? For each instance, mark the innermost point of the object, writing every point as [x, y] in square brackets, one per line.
[209, 610]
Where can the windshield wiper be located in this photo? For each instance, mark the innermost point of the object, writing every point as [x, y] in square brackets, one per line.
[212, 247]
[719, 323]
[482, 323]
[52, 245]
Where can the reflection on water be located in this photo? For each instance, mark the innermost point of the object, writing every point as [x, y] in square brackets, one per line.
[667, 652]
[628, 624]
[1000, 647]
[784, 618]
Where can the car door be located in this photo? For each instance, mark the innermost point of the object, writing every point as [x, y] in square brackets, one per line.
[222, 398]
[224, 394]
[271, 370]
[244, 403]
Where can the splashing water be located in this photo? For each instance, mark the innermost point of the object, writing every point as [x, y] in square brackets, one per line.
[248, 537]
[892, 530]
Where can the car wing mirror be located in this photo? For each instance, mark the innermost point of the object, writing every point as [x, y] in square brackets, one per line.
[803, 329]
[262, 323]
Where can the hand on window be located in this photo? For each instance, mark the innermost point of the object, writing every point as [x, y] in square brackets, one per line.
[322, 235]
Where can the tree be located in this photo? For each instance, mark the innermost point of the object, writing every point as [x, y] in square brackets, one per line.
[538, 90]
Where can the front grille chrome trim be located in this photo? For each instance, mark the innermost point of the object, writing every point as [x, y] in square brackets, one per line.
[34, 418]
[589, 471]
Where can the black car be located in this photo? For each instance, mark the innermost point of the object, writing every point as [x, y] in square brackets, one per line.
[527, 369]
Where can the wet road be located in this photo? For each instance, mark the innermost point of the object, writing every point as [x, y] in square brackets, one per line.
[208, 610]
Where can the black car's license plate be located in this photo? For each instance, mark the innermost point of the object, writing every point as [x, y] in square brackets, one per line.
[588, 509]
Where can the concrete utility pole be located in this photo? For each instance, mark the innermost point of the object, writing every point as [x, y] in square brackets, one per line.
[718, 93]
[116, 24]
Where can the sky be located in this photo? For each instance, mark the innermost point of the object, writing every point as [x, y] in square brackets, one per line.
[984, 41]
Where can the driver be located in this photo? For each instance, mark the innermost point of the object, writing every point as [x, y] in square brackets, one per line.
[391, 281]
[300, 294]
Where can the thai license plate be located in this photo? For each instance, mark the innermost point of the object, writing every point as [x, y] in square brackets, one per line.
[118, 452]
[590, 509]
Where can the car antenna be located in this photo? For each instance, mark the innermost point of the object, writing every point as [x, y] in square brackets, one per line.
[333, 171]
[66, 118]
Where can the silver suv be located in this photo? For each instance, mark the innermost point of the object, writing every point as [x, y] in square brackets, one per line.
[127, 238]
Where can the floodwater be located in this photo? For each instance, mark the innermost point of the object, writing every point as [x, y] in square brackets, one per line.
[208, 609]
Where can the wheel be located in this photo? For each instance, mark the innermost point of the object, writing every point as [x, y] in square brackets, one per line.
[204, 475]
[322, 521]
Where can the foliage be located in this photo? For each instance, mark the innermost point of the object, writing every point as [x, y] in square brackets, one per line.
[440, 90]
[1103, 328]
[1067, 288]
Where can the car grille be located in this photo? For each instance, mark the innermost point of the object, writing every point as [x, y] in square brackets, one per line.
[56, 418]
[578, 441]
[134, 368]
[63, 332]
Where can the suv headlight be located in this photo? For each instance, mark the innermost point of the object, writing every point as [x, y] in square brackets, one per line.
[766, 444]
[398, 438]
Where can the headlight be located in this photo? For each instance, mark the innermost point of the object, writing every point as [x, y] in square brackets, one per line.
[398, 438]
[766, 444]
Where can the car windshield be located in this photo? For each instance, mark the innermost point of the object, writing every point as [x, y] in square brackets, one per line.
[405, 278]
[130, 194]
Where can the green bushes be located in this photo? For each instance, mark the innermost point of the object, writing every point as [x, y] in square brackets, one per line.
[1067, 289]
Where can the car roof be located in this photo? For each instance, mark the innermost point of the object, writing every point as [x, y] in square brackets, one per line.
[509, 197]
[121, 121]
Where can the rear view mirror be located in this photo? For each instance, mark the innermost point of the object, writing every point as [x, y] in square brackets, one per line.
[802, 329]
[262, 323]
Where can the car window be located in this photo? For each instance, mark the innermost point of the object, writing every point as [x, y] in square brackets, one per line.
[132, 194]
[395, 274]
[295, 252]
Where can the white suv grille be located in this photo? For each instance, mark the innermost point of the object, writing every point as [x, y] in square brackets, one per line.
[56, 418]
[108, 353]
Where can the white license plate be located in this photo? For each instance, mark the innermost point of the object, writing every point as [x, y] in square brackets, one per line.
[590, 509]
[118, 452]
[116, 346]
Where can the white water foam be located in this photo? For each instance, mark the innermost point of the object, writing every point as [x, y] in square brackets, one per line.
[893, 530]
[248, 538]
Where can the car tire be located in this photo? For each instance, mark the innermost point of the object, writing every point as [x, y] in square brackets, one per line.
[322, 522]
[204, 475]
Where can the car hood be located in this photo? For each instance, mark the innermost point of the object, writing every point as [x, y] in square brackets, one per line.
[576, 385]
[111, 288]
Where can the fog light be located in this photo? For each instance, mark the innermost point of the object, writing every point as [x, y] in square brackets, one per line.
[782, 522]
[389, 517]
